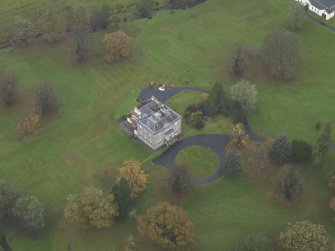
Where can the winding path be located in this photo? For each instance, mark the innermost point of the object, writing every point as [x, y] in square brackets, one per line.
[216, 142]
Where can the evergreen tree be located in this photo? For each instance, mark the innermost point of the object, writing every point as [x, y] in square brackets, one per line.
[281, 150]
[217, 100]
[233, 164]
[180, 180]
[322, 146]
[123, 197]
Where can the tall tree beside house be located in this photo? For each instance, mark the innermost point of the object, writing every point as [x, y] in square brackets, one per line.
[217, 101]
[136, 178]
[167, 225]
[322, 146]
[245, 94]
[8, 90]
[24, 31]
[281, 150]
[118, 45]
[296, 16]
[123, 198]
[52, 21]
[238, 60]
[281, 51]
[91, 209]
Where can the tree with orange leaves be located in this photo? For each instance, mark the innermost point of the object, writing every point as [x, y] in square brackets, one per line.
[168, 225]
[118, 45]
[135, 177]
[30, 123]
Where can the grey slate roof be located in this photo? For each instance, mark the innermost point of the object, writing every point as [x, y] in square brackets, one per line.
[328, 5]
[155, 117]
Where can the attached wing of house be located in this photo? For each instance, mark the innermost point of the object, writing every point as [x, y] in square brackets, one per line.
[324, 8]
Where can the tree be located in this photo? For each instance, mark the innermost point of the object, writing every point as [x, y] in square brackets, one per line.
[52, 20]
[80, 16]
[180, 180]
[118, 45]
[123, 197]
[8, 195]
[45, 99]
[135, 177]
[301, 151]
[255, 242]
[245, 94]
[239, 136]
[331, 182]
[217, 100]
[130, 244]
[167, 225]
[289, 183]
[304, 235]
[8, 91]
[100, 17]
[91, 208]
[232, 166]
[322, 146]
[281, 150]
[238, 60]
[236, 113]
[281, 53]
[259, 155]
[24, 31]
[30, 123]
[332, 203]
[296, 16]
[80, 47]
[145, 8]
[30, 211]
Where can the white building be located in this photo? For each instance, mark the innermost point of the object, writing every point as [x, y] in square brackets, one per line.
[324, 8]
[155, 123]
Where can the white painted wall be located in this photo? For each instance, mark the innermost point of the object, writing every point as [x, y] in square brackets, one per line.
[316, 10]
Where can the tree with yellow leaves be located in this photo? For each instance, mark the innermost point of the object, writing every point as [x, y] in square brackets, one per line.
[30, 123]
[167, 225]
[118, 45]
[135, 177]
[91, 209]
[239, 136]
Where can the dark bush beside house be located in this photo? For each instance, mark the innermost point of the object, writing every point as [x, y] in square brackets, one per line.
[255, 242]
[289, 183]
[46, 99]
[301, 151]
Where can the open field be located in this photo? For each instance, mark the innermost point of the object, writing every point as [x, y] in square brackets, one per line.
[82, 145]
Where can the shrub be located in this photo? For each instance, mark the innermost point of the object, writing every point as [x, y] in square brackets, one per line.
[281, 51]
[232, 164]
[237, 114]
[259, 155]
[239, 136]
[289, 183]
[303, 235]
[8, 196]
[180, 180]
[331, 182]
[322, 146]
[100, 17]
[301, 151]
[123, 199]
[30, 211]
[80, 48]
[24, 31]
[30, 123]
[318, 125]
[255, 242]
[281, 150]
[167, 225]
[8, 91]
[145, 8]
[238, 60]
[46, 99]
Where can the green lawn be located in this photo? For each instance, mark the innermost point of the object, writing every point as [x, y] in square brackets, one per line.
[83, 141]
[200, 161]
